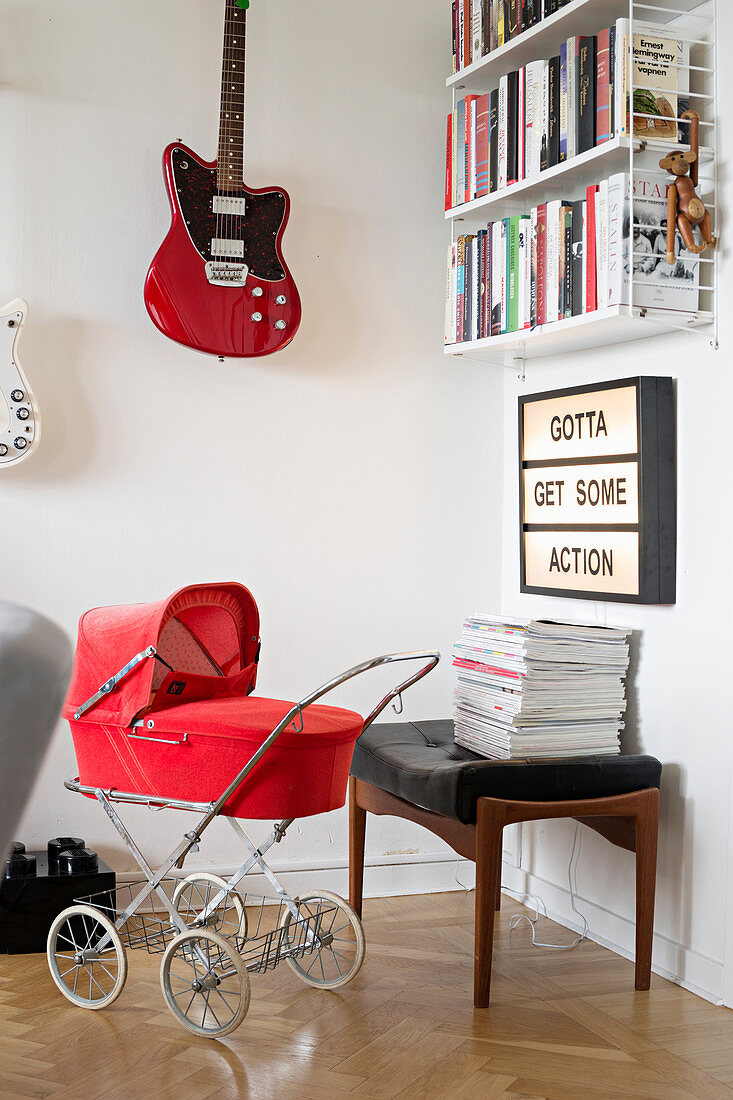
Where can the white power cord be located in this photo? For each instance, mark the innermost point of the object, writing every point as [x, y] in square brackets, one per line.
[538, 903]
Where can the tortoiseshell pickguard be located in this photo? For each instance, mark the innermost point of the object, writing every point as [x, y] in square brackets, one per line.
[195, 188]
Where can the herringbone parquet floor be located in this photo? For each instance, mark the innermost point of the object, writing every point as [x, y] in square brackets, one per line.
[562, 1025]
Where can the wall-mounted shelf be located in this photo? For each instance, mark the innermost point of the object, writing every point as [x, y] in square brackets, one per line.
[578, 17]
[614, 325]
[586, 168]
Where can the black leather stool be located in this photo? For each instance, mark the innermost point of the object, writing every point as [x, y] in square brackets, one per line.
[416, 771]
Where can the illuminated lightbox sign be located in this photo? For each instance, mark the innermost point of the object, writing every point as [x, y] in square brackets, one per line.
[597, 492]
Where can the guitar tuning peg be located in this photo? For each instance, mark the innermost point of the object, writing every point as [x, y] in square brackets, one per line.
[242, 4]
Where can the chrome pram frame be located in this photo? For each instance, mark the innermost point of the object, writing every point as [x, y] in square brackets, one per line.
[306, 925]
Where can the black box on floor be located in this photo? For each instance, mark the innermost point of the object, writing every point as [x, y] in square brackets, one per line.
[28, 906]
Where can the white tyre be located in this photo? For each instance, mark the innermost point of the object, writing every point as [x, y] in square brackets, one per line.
[205, 983]
[86, 957]
[192, 897]
[340, 946]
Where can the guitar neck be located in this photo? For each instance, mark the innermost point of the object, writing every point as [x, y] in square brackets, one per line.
[230, 158]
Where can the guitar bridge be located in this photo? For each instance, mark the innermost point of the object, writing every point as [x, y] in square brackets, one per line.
[226, 274]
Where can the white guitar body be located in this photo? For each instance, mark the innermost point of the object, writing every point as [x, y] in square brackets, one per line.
[20, 421]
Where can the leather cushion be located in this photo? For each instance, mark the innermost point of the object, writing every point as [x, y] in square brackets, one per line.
[420, 763]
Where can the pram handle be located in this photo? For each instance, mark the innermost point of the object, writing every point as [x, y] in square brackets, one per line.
[431, 656]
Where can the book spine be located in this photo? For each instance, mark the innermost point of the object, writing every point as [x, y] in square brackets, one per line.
[454, 158]
[563, 102]
[552, 281]
[587, 95]
[485, 27]
[454, 294]
[621, 76]
[448, 160]
[466, 32]
[489, 270]
[512, 150]
[566, 262]
[461, 152]
[591, 301]
[603, 87]
[584, 258]
[522, 16]
[503, 94]
[602, 271]
[494, 139]
[494, 24]
[513, 274]
[484, 238]
[544, 116]
[480, 236]
[495, 281]
[459, 35]
[454, 62]
[522, 124]
[525, 253]
[460, 285]
[447, 339]
[468, 149]
[503, 273]
[576, 251]
[612, 80]
[476, 29]
[513, 10]
[572, 97]
[617, 188]
[482, 146]
[533, 269]
[542, 263]
[468, 287]
[472, 155]
[500, 25]
[553, 111]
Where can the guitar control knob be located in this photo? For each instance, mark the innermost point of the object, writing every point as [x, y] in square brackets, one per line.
[20, 443]
[256, 291]
[281, 299]
[17, 395]
[3, 450]
[279, 324]
[23, 414]
[256, 316]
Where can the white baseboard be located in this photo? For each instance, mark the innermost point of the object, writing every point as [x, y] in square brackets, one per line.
[392, 876]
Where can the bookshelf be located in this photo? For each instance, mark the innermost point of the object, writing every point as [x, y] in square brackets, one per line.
[638, 156]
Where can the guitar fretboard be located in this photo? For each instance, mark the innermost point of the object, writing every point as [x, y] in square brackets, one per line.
[230, 158]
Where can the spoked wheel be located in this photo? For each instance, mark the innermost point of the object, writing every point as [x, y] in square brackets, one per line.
[86, 957]
[194, 894]
[205, 983]
[338, 956]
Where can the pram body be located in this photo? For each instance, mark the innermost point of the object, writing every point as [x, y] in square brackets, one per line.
[162, 713]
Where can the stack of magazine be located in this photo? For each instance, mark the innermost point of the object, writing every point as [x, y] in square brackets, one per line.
[532, 688]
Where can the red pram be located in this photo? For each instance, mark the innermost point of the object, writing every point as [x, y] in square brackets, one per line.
[161, 714]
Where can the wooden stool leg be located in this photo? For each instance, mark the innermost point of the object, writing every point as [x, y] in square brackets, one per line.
[497, 903]
[357, 835]
[647, 824]
[490, 817]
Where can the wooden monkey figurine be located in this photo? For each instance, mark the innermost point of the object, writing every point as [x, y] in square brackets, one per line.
[685, 209]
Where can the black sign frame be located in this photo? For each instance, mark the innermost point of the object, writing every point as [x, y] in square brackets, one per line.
[657, 526]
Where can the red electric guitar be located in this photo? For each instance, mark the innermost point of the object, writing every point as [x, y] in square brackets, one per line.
[219, 282]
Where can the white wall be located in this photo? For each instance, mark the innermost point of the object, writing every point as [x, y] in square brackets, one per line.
[344, 480]
[680, 695]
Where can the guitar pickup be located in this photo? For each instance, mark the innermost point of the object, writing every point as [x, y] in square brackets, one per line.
[221, 246]
[223, 274]
[228, 204]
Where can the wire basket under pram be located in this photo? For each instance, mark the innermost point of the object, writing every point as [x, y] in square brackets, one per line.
[169, 727]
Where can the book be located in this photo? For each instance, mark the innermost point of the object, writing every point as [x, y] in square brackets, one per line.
[612, 63]
[512, 6]
[656, 284]
[460, 161]
[532, 269]
[563, 102]
[485, 27]
[660, 81]
[500, 30]
[512, 124]
[587, 94]
[542, 263]
[533, 117]
[591, 301]
[555, 245]
[521, 123]
[513, 273]
[572, 48]
[603, 87]
[602, 273]
[447, 333]
[466, 32]
[468, 296]
[498, 271]
[523, 272]
[476, 32]
[469, 147]
[449, 161]
[502, 130]
[454, 294]
[553, 111]
[495, 25]
[460, 283]
[454, 11]
[482, 145]
[566, 262]
[494, 139]
[577, 295]
[453, 157]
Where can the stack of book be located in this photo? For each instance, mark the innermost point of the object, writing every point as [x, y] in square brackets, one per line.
[552, 110]
[563, 259]
[539, 689]
[480, 26]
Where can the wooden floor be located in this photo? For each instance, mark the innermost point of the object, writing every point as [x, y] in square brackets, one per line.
[564, 1025]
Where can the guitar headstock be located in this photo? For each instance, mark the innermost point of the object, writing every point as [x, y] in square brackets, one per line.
[20, 424]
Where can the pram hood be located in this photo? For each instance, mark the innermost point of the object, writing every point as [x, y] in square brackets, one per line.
[206, 643]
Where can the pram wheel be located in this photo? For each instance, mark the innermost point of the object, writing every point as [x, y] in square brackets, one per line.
[342, 948]
[76, 960]
[205, 983]
[192, 896]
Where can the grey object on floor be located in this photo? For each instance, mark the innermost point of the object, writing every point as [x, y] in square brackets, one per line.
[35, 665]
